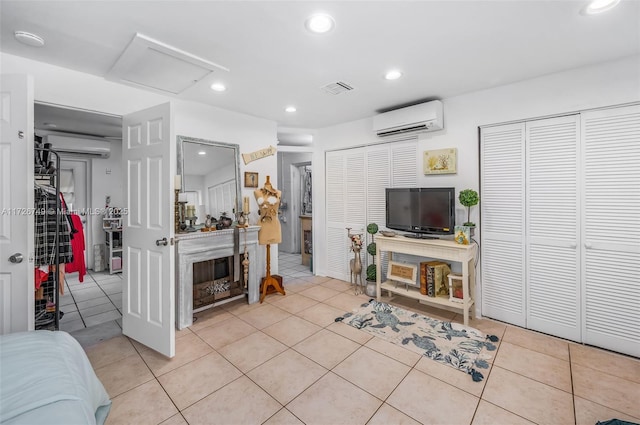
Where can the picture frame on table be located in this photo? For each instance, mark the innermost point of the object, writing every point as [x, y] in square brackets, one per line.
[402, 273]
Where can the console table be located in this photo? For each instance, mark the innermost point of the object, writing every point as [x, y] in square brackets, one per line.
[433, 248]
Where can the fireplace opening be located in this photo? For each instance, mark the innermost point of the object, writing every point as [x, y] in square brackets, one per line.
[213, 282]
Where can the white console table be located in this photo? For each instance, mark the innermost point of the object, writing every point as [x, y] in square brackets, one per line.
[433, 248]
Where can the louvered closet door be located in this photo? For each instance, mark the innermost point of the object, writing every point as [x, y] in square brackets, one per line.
[346, 207]
[553, 273]
[502, 212]
[378, 179]
[404, 165]
[336, 251]
[611, 228]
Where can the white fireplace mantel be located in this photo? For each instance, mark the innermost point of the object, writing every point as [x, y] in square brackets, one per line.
[204, 246]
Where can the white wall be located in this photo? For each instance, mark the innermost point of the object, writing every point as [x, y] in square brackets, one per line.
[66, 87]
[607, 84]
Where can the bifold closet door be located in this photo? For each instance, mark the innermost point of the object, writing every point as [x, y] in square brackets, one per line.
[552, 223]
[345, 189]
[355, 188]
[611, 228]
[502, 210]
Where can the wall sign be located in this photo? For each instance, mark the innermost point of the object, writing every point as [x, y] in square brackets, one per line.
[259, 154]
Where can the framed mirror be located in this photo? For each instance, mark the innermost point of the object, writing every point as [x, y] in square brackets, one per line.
[210, 176]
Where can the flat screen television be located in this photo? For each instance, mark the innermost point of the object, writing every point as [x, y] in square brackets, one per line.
[422, 211]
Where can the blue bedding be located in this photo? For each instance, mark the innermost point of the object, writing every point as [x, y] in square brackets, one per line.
[46, 378]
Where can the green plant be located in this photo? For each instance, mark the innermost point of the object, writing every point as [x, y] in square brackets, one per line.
[468, 198]
[372, 229]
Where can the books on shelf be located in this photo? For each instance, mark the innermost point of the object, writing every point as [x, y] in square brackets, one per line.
[433, 278]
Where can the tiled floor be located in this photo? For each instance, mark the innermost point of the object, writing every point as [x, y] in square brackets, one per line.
[98, 299]
[290, 266]
[287, 362]
[95, 301]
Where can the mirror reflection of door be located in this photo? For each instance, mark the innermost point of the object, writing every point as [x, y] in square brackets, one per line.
[209, 171]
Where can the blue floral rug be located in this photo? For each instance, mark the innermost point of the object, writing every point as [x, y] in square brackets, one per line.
[453, 344]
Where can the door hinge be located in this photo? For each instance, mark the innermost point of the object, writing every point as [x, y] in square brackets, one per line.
[171, 241]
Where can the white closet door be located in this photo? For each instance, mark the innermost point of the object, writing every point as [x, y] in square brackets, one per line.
[553, 272]
[337, 248]
[502, 209]
[378, 179]
[404, 165]
[611, 228]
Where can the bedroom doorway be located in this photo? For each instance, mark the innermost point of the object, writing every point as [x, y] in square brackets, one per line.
[91, 304]
[295, 172]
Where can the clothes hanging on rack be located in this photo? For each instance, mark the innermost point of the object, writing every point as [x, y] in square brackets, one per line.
[47, 239]
[78, 247]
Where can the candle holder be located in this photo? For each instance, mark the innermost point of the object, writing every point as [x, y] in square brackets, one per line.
[242, 218]
[176, 207]
[182, 205]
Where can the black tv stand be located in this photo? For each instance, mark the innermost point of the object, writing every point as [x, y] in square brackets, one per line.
[420, 236]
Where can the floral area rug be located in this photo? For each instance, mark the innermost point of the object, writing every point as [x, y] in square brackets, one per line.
[460, 347]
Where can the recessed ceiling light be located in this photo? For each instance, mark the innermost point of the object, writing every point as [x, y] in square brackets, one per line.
[28, 38]
[393, 75]
[218, 87]
[202, 153]
[599, 6]
[290, 109]
[319, 23]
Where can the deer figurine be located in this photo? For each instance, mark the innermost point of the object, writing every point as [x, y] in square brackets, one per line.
[355, 264]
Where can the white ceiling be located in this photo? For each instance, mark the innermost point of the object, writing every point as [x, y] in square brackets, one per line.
[444, 48]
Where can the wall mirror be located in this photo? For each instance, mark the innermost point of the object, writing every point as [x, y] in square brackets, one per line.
[210, 176]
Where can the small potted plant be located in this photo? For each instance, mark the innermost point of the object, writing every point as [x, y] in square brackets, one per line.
[370, 289]
[469, 198]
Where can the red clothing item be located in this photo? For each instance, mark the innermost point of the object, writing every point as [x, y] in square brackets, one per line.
[77, 246]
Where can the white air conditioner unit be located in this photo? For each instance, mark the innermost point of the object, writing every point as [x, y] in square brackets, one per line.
[417, 118]
[84, 146]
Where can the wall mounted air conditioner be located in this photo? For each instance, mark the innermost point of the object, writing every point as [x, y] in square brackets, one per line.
[83, 146]
[417, 118]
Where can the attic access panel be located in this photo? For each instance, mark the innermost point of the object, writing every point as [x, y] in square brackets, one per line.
[152, 64]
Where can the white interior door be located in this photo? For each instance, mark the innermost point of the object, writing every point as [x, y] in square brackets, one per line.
[16, 203]
[337, 243]
[502, 210]
[553, 266]
[148, 296]
[611, 228]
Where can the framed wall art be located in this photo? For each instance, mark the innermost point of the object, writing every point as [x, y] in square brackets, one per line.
[250, 179]
[440, 161]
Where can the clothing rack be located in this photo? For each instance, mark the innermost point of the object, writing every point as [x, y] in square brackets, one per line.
[47, 243]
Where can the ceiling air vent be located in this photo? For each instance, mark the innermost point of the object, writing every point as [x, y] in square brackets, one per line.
[336, 88]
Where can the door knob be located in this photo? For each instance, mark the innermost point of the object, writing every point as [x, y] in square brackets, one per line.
[16, 258]
[162, 242]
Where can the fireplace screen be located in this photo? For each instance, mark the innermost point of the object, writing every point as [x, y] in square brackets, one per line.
[213, 282]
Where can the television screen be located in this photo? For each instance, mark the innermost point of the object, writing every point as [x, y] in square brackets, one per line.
[421, 210]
